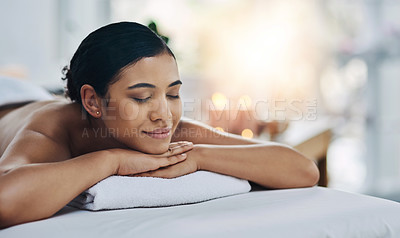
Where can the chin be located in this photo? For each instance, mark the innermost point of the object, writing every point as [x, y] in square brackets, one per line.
[155, 149]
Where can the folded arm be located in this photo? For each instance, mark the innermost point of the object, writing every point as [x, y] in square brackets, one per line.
[269, 164]
[31, 190]
[38, 177]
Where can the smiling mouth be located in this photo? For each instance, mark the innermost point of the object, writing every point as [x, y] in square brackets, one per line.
[161, 133]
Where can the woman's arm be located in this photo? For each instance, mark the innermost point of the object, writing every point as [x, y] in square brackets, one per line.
[32, 191]
[200, 133]
[35, 191]
[268, 164]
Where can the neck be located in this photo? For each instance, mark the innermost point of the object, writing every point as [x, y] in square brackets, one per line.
[103, 136]
[92, 136]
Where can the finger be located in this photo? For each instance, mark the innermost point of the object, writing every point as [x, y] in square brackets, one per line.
[167, 172]
[179, 149]
[162, 163]
[167, 161]
[175, 144]
[159, 162]
[171, 147]
[180, 143]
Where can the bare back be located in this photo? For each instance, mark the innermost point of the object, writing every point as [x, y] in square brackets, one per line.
[40, 132]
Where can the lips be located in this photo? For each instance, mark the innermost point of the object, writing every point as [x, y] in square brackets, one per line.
[160, 133]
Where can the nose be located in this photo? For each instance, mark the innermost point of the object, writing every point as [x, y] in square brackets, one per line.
[160, 111]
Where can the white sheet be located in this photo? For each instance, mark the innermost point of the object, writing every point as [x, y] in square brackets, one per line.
[14, 91]
[309, 212]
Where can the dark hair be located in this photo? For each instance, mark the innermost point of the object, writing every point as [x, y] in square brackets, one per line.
[105, 52]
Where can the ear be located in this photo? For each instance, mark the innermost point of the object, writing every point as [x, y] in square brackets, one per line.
[90, 101]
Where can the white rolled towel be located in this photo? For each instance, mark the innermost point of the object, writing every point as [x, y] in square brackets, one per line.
[118, 192]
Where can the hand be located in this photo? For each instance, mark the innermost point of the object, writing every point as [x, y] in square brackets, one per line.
[190, 165]
[132, 162]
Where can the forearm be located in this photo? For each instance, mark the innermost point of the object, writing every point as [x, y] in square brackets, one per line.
[37, 191]
[272, 165]
[200, 133]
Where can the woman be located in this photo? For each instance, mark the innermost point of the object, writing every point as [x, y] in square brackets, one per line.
[124, 119]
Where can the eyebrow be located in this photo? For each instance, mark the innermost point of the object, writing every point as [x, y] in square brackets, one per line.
[147, 85]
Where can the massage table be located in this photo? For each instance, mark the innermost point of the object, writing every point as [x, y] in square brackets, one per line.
[305, 212]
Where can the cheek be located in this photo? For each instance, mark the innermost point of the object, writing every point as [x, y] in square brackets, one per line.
[129, 110]
[176, 110]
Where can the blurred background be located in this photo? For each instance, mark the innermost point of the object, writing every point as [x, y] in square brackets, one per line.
[321, 75]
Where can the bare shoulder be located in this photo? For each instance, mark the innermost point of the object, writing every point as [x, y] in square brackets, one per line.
[46, 117]
[51, 119]
[36, 133]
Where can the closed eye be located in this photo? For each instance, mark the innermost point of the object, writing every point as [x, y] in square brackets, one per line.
[141, 100]
[173, 96]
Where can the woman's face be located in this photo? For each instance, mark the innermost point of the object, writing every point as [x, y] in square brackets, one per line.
[144, 106]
